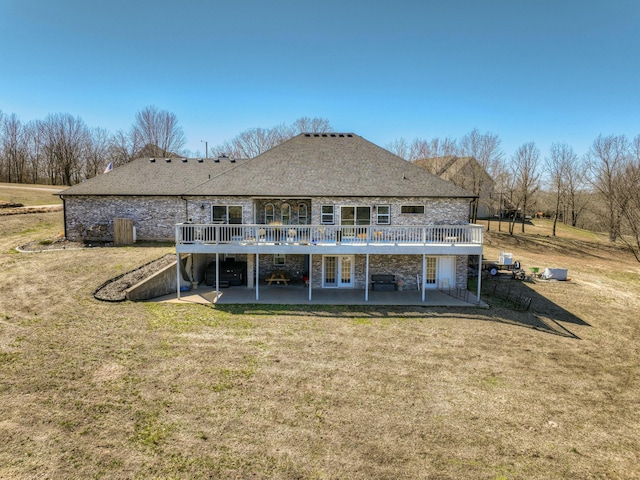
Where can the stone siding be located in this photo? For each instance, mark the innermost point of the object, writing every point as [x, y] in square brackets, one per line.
[91, 218]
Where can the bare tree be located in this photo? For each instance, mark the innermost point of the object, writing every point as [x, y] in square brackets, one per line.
[254, 141]
[310, 125]
[485, 148]
[66, 139]
[629, 186]
[157, 130]
[97, 152]
[13, 149]
[558, 164]
[34, 139]
[607, 160]
[525, 180]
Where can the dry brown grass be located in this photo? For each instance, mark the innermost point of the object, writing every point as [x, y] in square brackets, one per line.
[29, 194]
[144, 390]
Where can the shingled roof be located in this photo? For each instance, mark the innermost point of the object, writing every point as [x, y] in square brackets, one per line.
[328, 164]
[308, 165]
[154, 176]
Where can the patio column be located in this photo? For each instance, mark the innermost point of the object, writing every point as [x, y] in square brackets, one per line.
[257, 276]
[479, 276]
[424, 274]
[366, 279]
[310, 274]
[177, 273]
[250, 269]
[217, 275]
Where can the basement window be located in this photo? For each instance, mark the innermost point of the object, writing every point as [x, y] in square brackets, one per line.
[412, 209]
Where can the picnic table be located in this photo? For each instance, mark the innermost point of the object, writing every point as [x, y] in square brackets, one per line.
[278, 277]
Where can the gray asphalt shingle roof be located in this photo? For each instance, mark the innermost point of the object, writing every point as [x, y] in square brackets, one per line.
[153, 176]
[328, 164]
[309, 165]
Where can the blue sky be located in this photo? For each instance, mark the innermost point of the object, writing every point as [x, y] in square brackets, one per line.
[540, 70]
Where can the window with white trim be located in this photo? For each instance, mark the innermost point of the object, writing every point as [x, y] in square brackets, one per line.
[279, 259]
[327, 216]
[383, 214]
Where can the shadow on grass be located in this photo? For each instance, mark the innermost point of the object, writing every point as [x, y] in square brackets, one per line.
[543, 315]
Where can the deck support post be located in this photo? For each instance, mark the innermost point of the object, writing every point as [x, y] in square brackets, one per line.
[217, 275]
[178, 274]
[479, 276]
[310, 274]
[424, 274]
[366, 279]
[257, 277]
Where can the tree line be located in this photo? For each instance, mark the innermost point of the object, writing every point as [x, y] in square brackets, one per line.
[63, 150]
[599, 188]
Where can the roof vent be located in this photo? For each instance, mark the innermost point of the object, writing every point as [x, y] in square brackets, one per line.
[316, 135]
[168, 160]
[333, 135]
[341, 135]
[152, 160]
[349, 135]
[200, 160]
[217, 160]
[232, 160]
[184, 160]
[307, 134]
[324, 134]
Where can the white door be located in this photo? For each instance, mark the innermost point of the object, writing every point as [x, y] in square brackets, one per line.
[446, 273]
[337, 271]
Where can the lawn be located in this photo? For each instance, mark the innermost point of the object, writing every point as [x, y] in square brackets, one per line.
[149, 390]
[31, 195]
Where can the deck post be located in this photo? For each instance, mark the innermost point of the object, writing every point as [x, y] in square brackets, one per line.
[479, 276]
[310, 276]
[217, 275]
[366, 279]
[177, 273]
[424, 274]
[257, 277]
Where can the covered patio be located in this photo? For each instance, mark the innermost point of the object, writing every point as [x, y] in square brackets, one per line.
[297, 294]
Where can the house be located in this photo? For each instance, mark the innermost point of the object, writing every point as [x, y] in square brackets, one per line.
[467, 173]
[331, 210]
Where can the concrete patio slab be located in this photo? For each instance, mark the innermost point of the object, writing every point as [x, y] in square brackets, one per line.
[299, 295]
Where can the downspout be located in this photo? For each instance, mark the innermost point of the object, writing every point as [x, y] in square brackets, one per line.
[64, 214]
[186, 208]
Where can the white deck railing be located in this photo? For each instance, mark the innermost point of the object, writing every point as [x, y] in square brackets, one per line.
[328, 234]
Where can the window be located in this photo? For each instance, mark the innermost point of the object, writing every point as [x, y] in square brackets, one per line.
[285, 214]
[302, 214]
[227, 214]
[383, 214]
[279, 259]
[269, 213]
[412, 209]
[327, 215]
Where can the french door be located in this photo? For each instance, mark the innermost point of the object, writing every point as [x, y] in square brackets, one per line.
[354, 215]
[337, 271]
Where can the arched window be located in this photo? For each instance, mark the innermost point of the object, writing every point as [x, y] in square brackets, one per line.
[302, 214]
[269, 213]
[285, 214]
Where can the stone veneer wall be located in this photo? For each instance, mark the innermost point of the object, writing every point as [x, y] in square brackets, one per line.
[436, 210]
[90, 218]
[404, 267]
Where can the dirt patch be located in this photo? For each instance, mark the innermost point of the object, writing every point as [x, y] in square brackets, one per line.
[114, 290]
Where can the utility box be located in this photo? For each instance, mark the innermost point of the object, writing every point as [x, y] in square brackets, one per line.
[555, 274]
